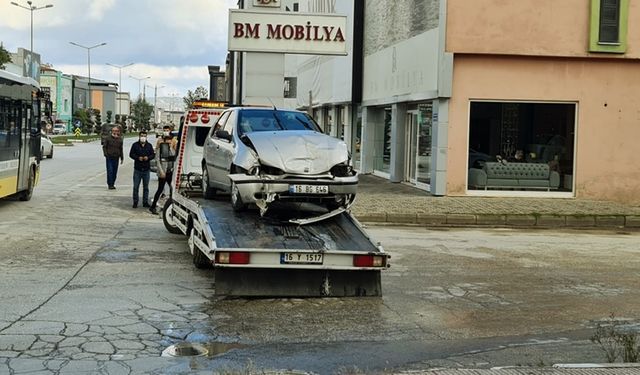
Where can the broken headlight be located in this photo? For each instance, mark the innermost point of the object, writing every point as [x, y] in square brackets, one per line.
[342, 170]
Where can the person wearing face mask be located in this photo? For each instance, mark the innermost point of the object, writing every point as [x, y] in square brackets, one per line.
[112, 150]
[164, 164]
[166, 132]
[141, 153]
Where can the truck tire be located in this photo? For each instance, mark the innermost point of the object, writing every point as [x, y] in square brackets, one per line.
[236, 199]
[168, 219]
[26, 194]
[207, 191]
[199, 259]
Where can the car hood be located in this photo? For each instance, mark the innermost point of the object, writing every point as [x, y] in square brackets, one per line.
[299, 152]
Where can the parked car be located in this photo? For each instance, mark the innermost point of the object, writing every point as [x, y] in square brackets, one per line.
[46, 146]
[262, 155]
[59, 129]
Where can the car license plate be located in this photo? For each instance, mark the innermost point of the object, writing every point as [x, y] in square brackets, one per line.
[309, 189]
[302, 258]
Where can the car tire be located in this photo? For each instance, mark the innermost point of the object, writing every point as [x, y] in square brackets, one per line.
[50, 156]
[207, 191]
[168, 219]
[236, 199]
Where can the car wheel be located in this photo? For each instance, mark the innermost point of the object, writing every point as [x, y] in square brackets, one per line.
[342, 202]
[50, 156]
[168, 219]
[207, 191]
[236, 200]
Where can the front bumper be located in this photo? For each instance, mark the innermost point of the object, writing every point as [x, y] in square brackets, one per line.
[269, 188]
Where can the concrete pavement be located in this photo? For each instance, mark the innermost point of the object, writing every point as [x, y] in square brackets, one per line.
[380, 201]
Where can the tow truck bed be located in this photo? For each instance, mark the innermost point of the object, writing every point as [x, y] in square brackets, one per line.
[282, 259]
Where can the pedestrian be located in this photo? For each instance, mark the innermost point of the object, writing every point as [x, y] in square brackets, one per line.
[166, 151]
[141, 153]
[112, 150]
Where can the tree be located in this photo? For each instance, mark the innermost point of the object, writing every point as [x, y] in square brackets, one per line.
[109, 114]
[97, 116]
[192, 96]
[5, 57]
[84, 116]
[140, 114]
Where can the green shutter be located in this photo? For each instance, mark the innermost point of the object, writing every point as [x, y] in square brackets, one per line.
[609, 20]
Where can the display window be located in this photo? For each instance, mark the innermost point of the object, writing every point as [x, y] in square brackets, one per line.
[518, 146]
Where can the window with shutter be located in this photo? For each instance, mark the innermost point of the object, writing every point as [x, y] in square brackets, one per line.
[609, 23]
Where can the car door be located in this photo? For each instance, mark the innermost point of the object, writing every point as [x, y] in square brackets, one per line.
[212, 146]
[226, 152]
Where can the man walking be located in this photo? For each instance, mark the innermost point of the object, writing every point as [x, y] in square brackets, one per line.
[141, 153]
[112, 150]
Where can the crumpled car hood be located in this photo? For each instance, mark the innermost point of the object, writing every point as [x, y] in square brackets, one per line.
[299, 151]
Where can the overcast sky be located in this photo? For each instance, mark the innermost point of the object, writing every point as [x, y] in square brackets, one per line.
[173, 41]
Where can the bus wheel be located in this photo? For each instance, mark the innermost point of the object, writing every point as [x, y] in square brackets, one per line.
[26, 195]
[168, 219]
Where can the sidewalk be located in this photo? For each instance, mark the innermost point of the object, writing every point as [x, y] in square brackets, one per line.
[380, 201]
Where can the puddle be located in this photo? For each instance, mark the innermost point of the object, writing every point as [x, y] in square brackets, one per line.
[116, 256]
[189, 349]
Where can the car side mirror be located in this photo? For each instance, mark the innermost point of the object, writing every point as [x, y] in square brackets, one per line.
[223, 134]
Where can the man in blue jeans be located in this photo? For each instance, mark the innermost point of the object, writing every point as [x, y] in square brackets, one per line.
[112, 150]
[141, 153]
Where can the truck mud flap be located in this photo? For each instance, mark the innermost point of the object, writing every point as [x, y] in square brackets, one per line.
[238, 282]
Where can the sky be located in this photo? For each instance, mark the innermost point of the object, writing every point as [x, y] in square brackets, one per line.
[171, 41]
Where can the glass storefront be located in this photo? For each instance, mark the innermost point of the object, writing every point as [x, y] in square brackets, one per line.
[382, 152]
[424, 128]
[521, 146]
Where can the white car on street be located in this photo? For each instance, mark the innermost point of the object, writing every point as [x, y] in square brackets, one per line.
[46, 146]
[59, 129]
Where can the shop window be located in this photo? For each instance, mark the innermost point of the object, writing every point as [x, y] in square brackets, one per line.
[609, 20]
[521, 146]
[382, 159]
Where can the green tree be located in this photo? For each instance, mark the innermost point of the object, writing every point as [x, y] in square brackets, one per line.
[97, 116]
[109, 115]
[199, 93]
[141, 113]
[5, 57]
[84, 116]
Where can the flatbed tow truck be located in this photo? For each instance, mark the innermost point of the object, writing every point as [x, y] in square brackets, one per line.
[272, 255]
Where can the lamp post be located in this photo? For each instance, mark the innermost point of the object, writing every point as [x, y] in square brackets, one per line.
[31, 8]
[88, 64]
[155, 101]
[139, 82]
[120, 67]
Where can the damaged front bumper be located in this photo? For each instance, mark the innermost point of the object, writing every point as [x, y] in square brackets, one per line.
[262, 190]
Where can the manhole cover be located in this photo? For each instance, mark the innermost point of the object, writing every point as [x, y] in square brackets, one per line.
[185, 349]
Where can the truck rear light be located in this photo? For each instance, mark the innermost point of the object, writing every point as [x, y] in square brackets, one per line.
[235, 257]
[368, 261]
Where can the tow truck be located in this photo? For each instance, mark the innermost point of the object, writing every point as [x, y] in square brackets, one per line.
[265, 256]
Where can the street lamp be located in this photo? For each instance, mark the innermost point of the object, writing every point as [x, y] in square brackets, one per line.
[31, 8]
[88, 64]
[139, 81]
[155, 101]
[120, 67]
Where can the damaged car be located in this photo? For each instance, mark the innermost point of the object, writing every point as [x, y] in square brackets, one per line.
[263, 155]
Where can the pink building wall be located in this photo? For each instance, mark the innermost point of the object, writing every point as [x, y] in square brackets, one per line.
[538, 50]
[529, 27]
[607, 93]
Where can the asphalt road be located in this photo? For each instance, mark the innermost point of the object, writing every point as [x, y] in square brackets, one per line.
[89, 283]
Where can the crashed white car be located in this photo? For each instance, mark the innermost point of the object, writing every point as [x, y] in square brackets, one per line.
[262, 155]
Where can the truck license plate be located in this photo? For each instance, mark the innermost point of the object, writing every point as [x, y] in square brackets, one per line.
[302, 258]
[309, 189]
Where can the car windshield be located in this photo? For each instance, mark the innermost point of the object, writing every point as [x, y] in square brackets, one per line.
[272, 120]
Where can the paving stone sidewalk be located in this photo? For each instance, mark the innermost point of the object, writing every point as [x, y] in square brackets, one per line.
[380, 201]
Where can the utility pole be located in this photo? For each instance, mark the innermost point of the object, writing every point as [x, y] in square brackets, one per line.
[119, 99]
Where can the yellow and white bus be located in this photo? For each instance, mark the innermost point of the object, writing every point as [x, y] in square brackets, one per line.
[19, 135]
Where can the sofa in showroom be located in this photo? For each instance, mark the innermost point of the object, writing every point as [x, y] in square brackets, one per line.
[514, 176]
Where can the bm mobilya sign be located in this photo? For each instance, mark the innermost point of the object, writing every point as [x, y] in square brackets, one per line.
[311, 34]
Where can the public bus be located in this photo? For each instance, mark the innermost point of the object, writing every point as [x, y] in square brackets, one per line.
[19, 135]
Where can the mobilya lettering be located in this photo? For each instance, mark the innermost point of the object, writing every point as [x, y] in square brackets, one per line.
[288, 32]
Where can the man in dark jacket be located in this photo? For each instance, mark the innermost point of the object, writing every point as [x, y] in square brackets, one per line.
[112, 150]
[141, 153]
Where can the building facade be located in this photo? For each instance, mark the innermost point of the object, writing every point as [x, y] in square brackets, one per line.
[61, 95]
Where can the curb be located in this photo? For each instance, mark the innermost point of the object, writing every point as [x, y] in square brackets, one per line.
[506, 220]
